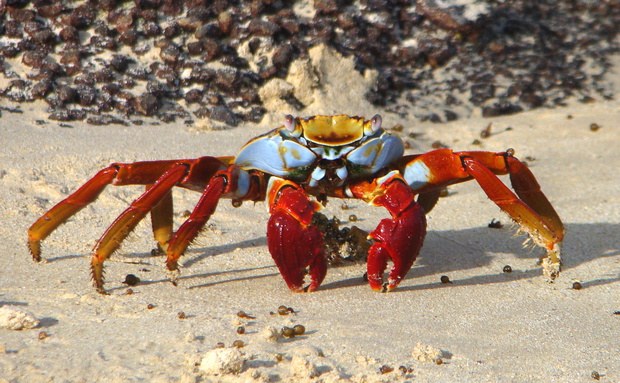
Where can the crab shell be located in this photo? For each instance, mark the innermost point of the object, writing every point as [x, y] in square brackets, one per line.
[323, 148]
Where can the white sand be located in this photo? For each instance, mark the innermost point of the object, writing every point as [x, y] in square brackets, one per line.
[487, 325]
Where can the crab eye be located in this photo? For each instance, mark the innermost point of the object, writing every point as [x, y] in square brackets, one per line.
[376, 122]
[289, 123]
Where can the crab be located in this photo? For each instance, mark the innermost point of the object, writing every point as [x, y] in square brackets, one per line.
[295, 169]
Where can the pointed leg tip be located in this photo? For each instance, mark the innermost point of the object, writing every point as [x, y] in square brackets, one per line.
[34, 247]
[173, 276]
[102, 291]
[552, 263]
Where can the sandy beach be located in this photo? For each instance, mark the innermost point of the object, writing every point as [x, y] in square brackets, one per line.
[487, 325]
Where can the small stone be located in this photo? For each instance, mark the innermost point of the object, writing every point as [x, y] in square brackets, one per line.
[238, 344]
[223, 361]
[288, 332]
[131, 280]
[15, 319]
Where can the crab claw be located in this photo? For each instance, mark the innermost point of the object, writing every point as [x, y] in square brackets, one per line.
[399, 239]
[293, 243]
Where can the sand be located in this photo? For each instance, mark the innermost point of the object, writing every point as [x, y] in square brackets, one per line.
[486, 325]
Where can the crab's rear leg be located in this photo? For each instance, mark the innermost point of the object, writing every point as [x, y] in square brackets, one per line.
[138, 173]
[399, 238]
[529, 207]
[232, 182]
[532, 212]
[127, 221]
[188, 231]
[159, 176]
[60, 213]
[293, 242]
[162, 223]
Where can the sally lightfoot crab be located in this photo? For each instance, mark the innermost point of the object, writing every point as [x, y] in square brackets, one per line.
[320, 157]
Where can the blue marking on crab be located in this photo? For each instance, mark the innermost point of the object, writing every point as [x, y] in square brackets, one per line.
[297, 151]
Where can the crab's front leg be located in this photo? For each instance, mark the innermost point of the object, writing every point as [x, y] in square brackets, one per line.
[294, 243]
[399, 238]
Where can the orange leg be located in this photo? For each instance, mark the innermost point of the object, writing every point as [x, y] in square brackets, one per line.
[293, 243]
[127, 221]
[161, 221]
[196, 221]
[60, 213]
[159, 176]
[529, 207]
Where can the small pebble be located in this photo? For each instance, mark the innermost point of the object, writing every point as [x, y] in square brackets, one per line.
[238, 344]
[240, 330]
[385, 369]
[507, 269]
[283, 310]
[131, 280]
[352, 218]
[288, 332]
[299, 329]
[150, 306]
[181, 315]
[243, 314]
[445, 279]
[595, 375]
[576, 286]
[43, 335]
[594, 127]
[220, 345]
[495, 224]
[405, 370]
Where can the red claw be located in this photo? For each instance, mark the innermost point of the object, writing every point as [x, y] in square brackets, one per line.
[399, 239]
[293, 243]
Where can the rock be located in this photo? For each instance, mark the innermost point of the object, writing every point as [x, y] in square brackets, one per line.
[15, 319]
[223, 361]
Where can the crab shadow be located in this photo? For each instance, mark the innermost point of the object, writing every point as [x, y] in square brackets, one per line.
[196, 255]
[454, 251]
[444, 253]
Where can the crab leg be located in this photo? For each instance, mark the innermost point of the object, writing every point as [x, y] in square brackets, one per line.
[161, 221]
[536, 225]
[399, 238]
[293, 243]
[138, 173]
[60, 213]
[127, 221]
[529, 207]
[191, 227]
